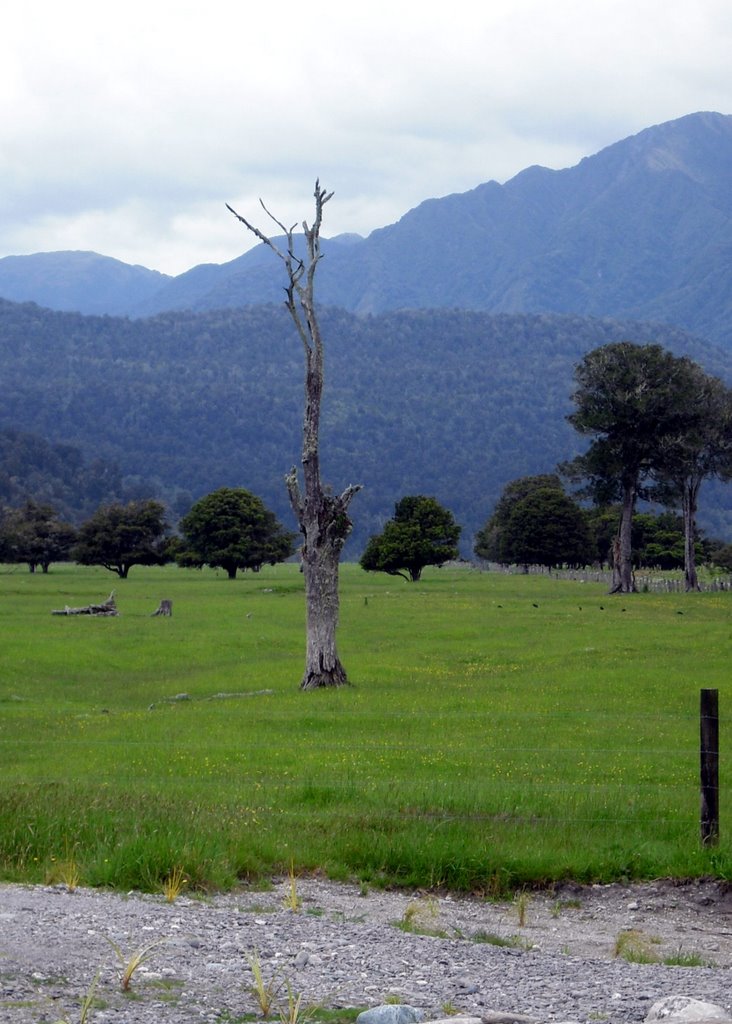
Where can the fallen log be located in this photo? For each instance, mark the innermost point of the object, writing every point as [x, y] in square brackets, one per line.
[109, 607]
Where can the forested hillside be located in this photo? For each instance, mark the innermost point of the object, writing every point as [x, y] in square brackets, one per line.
[444, 403]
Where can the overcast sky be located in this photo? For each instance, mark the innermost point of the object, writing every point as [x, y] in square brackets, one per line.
[127, 126]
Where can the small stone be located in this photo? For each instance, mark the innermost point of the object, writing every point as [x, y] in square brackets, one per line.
[302, 958]
[633, 905]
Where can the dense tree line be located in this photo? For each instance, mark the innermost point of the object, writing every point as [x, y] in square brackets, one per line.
[230, 528]
[448, 403]
[54, 474]
[536, 522]
[659, 426]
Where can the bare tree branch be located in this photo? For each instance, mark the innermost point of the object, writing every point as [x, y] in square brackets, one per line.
[323, 518]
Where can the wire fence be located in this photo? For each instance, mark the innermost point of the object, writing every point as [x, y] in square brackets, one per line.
[646, 581]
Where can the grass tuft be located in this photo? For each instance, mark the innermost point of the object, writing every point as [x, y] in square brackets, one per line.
[418, 917]
[264, 990]
[130, 963]
[682, 959]
[174, 884]
[506, 941]
[292, 899]
[634, 946]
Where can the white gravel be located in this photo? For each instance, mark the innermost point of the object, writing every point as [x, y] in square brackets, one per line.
[343, 949]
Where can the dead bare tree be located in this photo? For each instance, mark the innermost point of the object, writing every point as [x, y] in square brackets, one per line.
[322, 517]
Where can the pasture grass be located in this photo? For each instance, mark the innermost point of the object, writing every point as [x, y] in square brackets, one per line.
[500, 732]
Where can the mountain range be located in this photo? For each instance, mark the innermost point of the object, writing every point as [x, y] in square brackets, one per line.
[641, 230]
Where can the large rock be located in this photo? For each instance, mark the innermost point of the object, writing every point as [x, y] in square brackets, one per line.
[391, 1013]
[684, 1008]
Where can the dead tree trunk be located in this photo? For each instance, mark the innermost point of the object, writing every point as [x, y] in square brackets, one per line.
[688, 503]
[109, 607]
[322, 517]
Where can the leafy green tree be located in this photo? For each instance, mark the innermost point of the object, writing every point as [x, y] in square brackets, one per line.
[720, 554]
[703, 450]
[633, 400]
[34, 534]
[233, 529]
[421, 532]
[658, 540]
[120, 536]
[547, 528]
[488, 540]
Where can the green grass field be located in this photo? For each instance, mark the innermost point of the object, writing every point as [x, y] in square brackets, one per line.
[500, 731]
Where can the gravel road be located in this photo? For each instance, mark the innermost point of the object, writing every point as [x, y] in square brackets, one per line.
[343, 949]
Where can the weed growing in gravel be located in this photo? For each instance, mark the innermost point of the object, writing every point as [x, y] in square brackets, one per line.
[86, 1003]
[264, 991]
[129, 964]
[416, 918]
[292, 899]
[493, 939]
[633, 945]
[342, 1015]
[174, 884]
[521, 902]
[294, 1012]
[449, 1009]
[681, 959]
[68, 872]
[559, 905]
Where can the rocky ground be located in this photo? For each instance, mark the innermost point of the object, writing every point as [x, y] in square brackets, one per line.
[343, 949]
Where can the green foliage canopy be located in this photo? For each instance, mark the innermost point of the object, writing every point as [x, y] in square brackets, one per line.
[35, 534]
[635, 401]
[170, 399]
[420, 533]
[120, 536]
[536, 523]
[232, 528]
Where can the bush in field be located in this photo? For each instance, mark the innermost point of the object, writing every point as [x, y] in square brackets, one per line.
[536, 523]
[120, 536]
[34, 534]
[232, 529]
[420, 533]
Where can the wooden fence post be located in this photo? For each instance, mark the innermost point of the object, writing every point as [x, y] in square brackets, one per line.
[709, 766]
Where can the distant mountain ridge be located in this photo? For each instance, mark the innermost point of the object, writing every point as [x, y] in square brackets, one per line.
[641, 230]
[78, 281]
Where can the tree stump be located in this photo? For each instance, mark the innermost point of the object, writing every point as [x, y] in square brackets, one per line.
[164, 608]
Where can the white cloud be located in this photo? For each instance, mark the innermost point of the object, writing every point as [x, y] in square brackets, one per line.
[126, 127]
